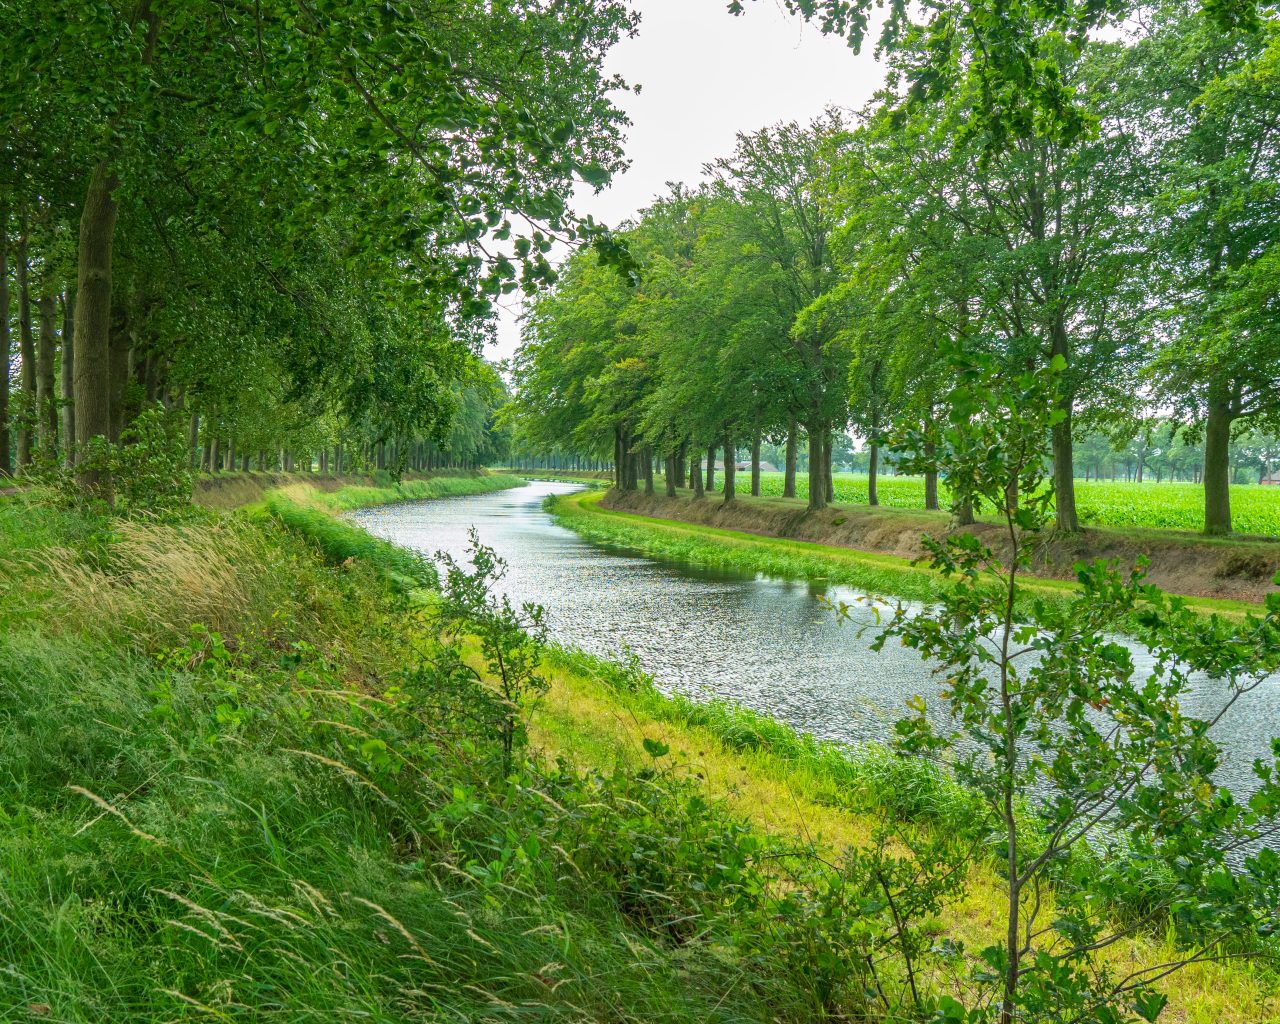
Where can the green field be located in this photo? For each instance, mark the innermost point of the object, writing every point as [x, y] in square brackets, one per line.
[1254, 509]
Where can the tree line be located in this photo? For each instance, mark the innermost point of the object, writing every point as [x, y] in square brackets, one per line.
[282, 222]
[821, 276]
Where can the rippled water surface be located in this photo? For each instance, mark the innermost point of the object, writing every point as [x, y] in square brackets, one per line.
[766, 643]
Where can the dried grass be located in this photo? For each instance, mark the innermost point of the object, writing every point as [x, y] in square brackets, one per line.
[159, 580]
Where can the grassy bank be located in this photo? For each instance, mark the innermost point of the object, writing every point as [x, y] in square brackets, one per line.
[885, 575]
[246, 780]
[230, 491]
[788, 784]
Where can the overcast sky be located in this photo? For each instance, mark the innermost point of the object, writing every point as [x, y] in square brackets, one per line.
[704, 76]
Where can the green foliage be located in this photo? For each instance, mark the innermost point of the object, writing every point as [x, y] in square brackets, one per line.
[1051, 710]
[209, 820]
[511, 638]
[341, 544]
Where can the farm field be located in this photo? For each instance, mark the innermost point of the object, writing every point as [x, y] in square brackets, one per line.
[1177, 506]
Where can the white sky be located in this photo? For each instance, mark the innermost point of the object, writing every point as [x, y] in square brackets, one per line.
[704, 76]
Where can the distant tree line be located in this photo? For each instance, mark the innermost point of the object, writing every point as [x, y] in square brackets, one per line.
[818, 281]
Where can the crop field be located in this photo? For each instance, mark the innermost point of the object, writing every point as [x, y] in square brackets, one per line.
[1254, 509]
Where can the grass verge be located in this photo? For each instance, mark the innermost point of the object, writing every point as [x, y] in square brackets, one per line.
[884, 575]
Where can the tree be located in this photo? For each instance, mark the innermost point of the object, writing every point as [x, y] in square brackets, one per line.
[1039, 704]
[1218, 232]
[428, 128]
[786, 233]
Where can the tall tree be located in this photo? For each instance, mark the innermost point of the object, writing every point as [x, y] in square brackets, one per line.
[1217, 134]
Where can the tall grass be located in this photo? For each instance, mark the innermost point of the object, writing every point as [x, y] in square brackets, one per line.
[341, 544]
[307, 823]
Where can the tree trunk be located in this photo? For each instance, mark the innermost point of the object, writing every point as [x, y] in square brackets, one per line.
[1217, 481]
[46, 402]
[193, 440]
[27, 352]
[93, 319]
[1064, 483]
[120, 358]
[6, 463]
[695, 474]
[963, 514]
[873, 467]
[646, 457]
[678, 464]
[68, 381]
[671, 475]
[828, 451]
[930, 478]
[711, 467]
[730, 469]
[817, 467]
[789, 477]
[755, 465]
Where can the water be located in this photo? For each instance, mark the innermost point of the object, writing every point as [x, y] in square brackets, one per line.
[769, 644]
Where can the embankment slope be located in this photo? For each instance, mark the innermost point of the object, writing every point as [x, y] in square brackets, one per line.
[1235, 569]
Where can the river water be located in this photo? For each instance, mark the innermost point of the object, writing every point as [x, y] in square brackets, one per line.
[766, 643]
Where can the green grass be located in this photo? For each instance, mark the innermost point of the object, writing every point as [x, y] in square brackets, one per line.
[301, 815]
[298, 816]
[883, 575]
[1255, 510]
[353, 497]
[728, 549]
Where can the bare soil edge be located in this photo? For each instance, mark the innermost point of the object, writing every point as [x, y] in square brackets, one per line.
[1237, 570]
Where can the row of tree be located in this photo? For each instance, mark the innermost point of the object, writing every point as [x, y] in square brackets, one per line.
[819, 279]
[283, 220]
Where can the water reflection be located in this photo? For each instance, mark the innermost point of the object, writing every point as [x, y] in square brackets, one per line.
[767, 643]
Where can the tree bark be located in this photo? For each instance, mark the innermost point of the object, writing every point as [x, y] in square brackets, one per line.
[755, 464]
[46, 402]
[671, 475]
[1064, 472]
[695, 474]
[1217, 477]
[618, 471]
[730, 469]
[67, 381]
[963, 514]
[828, 474]
[817, 467]
[789, 475]
[93, 319]
[27, 353]
[6, 463]
[873, 496]
[120, 360]
[1064, 484]
[646, 459]
[711, 467]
